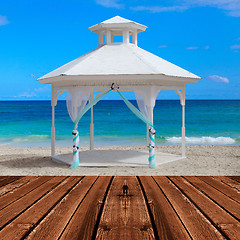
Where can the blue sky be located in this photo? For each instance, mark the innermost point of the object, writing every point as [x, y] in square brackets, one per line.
[202, 36]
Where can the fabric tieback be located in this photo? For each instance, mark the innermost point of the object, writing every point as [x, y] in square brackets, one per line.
[151, 147]
[75, 162]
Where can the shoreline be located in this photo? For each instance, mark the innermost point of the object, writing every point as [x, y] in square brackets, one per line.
[200, 160]
[124, 142]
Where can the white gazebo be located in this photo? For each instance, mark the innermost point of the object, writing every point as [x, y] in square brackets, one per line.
[116, 66]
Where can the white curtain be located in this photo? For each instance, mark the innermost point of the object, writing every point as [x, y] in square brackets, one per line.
[146, 98]
[77, 98]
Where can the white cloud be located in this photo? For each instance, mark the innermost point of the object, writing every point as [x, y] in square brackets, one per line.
[26, 95]
[3, 20]
[42, 89]
[110, 3]
[196, 47]
[163, 46]
[236, 46]
[157, 9]
[217, 78]
[192, 48]
[33, 93]
[231, 7]
[32, 75]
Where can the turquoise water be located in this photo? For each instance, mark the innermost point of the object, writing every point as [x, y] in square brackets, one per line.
[28, 123]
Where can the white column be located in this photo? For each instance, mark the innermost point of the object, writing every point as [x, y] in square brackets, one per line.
[100, 39]
[53, 122]
[92, 127]
[147, 134]
[125, 36]
[108, 37]
[134, 38]
[183, 124]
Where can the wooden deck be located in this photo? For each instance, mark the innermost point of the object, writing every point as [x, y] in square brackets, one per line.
[119, 208]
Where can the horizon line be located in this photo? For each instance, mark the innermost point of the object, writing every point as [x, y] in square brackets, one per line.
[28, 100]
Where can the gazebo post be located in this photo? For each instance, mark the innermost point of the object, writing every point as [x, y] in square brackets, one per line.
[147, 134]
[91, 127]
[53, 122]
[183, 124]
[182, 101]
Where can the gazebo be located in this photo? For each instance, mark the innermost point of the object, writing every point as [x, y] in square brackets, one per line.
[116, 66]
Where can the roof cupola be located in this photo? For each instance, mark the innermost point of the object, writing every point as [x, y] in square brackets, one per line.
[117, 26]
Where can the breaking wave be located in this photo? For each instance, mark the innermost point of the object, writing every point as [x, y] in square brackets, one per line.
[203, 140]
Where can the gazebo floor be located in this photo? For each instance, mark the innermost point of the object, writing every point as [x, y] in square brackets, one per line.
[131, 158]
[119, 207]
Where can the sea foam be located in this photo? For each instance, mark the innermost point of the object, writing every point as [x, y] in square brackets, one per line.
[203, 140]
[32, 138]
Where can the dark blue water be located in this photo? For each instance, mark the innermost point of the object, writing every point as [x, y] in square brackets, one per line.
[28, 123]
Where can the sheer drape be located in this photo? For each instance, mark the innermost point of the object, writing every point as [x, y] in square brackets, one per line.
[77, 98]
[146, 98]
[76, 101]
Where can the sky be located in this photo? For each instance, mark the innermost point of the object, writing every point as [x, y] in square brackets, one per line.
[201, 36]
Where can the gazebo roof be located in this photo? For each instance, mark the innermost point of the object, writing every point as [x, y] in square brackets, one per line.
[116, 23]
[124, 63]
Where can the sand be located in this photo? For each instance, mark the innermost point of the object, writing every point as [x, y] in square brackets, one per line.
[201, 160]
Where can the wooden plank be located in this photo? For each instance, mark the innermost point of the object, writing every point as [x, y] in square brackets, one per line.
[230, 192]
[195, 222]
[235, 178]
[166, 220]
[8, 179]
[10, 212]
[228, 181]
[54, 223]
[224, 221]
[19, 227]
[15, 184]
[227, 203]
[125, 214]
[12, 196]
[83, 222]
[3, 177]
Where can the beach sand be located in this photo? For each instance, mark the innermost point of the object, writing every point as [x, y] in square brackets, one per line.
[201, 160]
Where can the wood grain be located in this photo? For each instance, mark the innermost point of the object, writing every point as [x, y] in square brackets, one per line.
[8, 179]
[83, 222]
[228, 181]
[15, 184]
[18, 193]
[166, 220]
[236, 178]
[23, 224]
[195, 222]
[69, 208]
[54, 223]
[224, 221]
[230, 192]
[227, 203]
[16, 208]
[125, 214]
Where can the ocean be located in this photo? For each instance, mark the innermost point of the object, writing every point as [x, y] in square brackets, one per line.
[28, 123]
